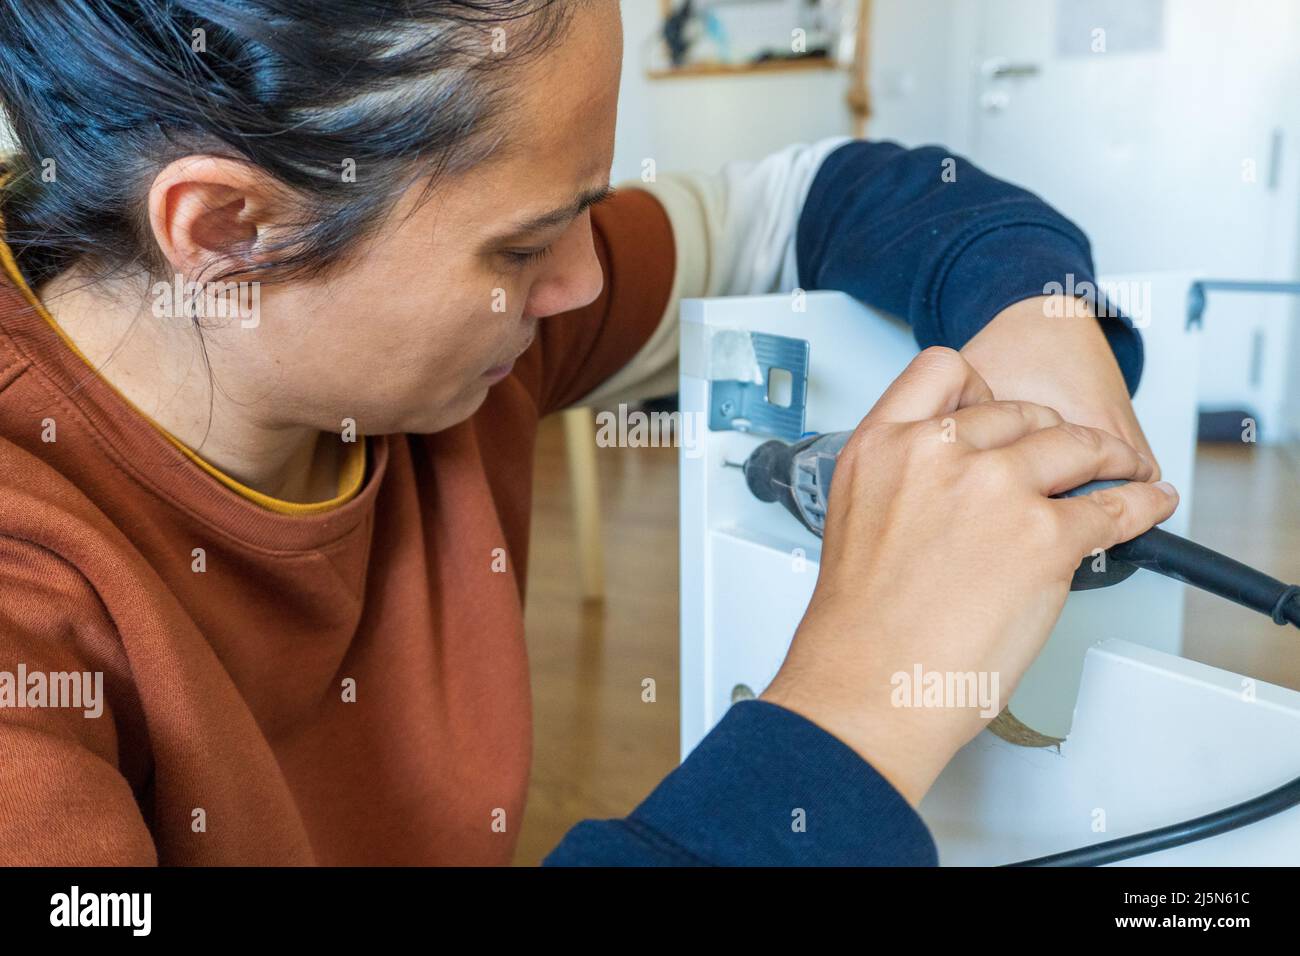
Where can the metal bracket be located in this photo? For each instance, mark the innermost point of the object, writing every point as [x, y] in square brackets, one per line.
[744, 406]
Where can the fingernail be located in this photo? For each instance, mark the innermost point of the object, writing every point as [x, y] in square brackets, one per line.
[1167, 488]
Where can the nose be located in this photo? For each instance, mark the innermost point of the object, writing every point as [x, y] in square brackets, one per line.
[573, 276]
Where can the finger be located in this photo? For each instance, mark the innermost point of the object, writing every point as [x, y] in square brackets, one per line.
[1066, 456]
[994, 424]
[936, 382]
[1116, 417]
[1130, 430]
[1103, 519]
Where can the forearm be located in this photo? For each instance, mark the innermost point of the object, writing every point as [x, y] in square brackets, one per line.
[1055, 353]
[968, 260]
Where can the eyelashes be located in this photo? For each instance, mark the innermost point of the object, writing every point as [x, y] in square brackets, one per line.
[521, 260]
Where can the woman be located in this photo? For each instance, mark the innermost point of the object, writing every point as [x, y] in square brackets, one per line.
[290, 537]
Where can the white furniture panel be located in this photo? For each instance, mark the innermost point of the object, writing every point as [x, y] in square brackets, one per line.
[1157, 740]
[1154, 739]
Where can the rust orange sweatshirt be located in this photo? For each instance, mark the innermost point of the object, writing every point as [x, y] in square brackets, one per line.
[348, 686]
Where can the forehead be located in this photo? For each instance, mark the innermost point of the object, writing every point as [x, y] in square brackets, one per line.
[577, 75]
[559, 109]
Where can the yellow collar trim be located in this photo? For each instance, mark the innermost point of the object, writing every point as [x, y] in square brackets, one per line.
[351, 476]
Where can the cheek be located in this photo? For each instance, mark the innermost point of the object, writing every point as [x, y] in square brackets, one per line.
[410, 362]
[448, 350]
[420, 375]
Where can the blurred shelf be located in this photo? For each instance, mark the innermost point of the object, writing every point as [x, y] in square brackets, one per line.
[745, 69]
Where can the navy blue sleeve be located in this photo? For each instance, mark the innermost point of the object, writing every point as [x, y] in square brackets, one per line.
[932, 239]
[765, 787]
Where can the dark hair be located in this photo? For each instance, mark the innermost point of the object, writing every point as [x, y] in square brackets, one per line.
[112, 91]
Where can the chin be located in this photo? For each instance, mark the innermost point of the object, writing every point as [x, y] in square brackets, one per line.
[428, 420]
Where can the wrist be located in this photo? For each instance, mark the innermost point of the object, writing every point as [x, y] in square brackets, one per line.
[908, 746]
[1033, 342]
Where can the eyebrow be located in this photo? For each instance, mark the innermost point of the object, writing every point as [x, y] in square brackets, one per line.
[561, 215]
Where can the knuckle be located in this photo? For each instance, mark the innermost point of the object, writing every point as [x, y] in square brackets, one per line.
[1030, 414]
[868, 435]
[940, 359]
[1030, 411]
[1090, 438]
[865, 440]
[1049, 414]
[924, 442]
[869, 442]
[990, 474]
[941, 355]
[1115, 506]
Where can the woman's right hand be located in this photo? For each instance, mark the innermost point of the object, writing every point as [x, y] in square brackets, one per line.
[945, 550]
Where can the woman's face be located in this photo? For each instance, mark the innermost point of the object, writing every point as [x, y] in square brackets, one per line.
[416, 326]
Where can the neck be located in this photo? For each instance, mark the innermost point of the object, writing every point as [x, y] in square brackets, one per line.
[162, 368]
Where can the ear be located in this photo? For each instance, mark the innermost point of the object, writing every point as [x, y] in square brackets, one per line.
[208, 212]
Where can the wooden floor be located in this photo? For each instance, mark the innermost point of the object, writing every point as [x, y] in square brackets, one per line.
[1246, 504]
[599, 749]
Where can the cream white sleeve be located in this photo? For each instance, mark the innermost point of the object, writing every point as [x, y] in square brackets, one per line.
[734, 232]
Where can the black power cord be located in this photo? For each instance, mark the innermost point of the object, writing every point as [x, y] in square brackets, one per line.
[1158, 550]
[1212, 824]
[1181, 559]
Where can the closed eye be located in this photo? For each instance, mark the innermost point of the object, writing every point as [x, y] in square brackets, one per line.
[558, 218]
[521, 259]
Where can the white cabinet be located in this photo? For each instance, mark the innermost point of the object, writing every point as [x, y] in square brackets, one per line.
[1149, 726]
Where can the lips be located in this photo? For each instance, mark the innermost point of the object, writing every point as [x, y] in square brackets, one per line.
[501, 371]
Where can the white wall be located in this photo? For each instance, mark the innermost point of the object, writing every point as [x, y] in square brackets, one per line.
[699, 123]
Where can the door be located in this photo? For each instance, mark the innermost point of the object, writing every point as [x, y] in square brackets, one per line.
[1168, 130]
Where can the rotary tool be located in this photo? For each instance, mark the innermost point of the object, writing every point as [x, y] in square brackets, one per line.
[799, 476]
